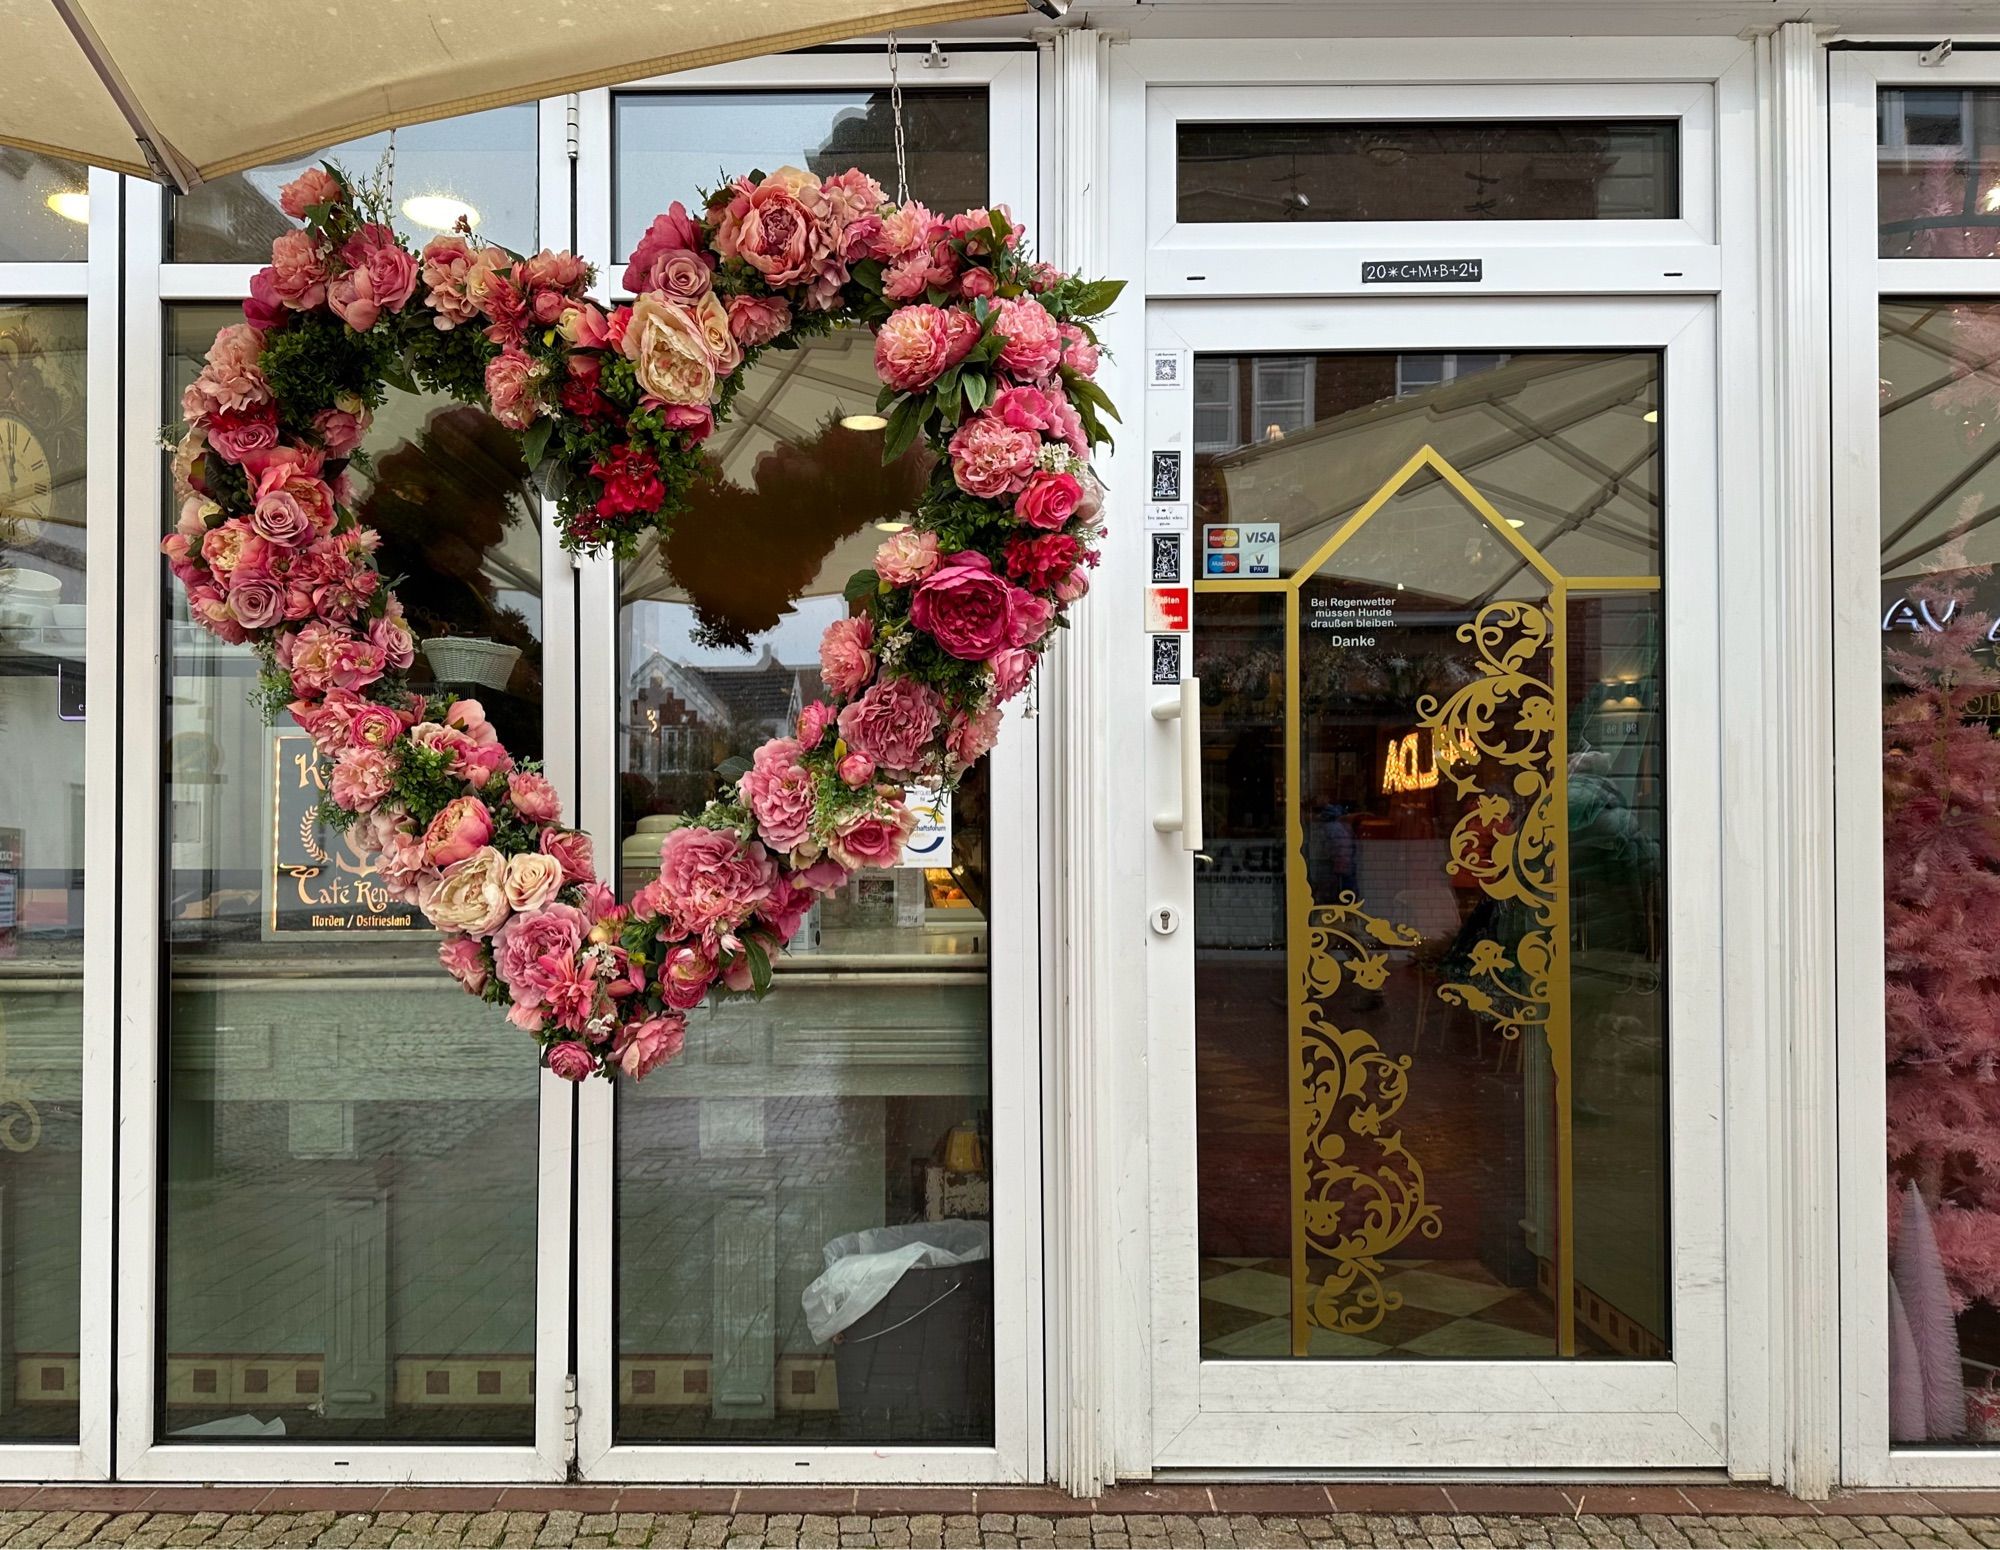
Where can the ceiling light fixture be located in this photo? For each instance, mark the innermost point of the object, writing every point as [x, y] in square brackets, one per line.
[72, 204]
[440, 212]
[1651, 417]
[863, 422]
[1515, 522]
[893, 527]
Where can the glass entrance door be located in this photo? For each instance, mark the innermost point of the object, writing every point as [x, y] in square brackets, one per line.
[1440, 1032]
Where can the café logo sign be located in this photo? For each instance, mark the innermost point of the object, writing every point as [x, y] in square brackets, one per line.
[318, 881]
[1919, 614]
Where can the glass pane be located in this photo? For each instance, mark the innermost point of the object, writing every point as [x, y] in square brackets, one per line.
[1940, 410]
[349, 1210]
[673, 145]
[1409, 170]
[855, 1100]
[1429, 914]
[480, 166]
[1937, 179]
[44, 208]
[42, 514]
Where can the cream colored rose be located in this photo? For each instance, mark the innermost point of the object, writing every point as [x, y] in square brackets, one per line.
[471, 896]
[723, 350]
[532, 881]
[669, 353]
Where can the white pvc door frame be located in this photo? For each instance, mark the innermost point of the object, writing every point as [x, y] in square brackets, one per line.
[1860, 281]
[1010, 75]
[151, 287]
[1357, 1414]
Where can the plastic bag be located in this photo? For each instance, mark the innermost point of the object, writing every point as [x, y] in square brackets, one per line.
[863, 1267]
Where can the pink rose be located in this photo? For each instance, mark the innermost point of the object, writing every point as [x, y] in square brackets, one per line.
[905, 558]
[686, 976]
[340, 430]
[360, 779]
[757, 320]
[779, 792]
[674, 232]
[640, 1047]
[893, 724]
[712, 880]
[683, 275]
[314, 186]
[391, 271]
[1028, 618]
[1034, 344]
[857, 769]
[512, 377]
[257, 604]
[873, 839]
[847, 656]
[1050, 500]
[917, 345]
[291, 506]
[461, 827]
[970, 738]
[468, 897]
[572, 848]
[534, 797]
[525, 946]
[570, 1061]
[532, 881]
[464, 958]
[965, 608]
[990, 458]
[1011, 670]
[390, 635]
[776, 228]
[298, 271]
[813, 722]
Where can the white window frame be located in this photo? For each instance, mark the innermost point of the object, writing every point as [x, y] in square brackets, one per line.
[151, 286]
[93, 282]
[1860, 281]
[1016, 1455]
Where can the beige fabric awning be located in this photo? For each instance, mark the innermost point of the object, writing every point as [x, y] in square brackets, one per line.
[186, 90]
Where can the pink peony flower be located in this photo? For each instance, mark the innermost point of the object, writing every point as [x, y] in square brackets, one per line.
[813, 722]
[669, 352]
[712, 880]
[1034, 344]
[532, 881]
[446, 263]
[674, 232]
[873, 839]
[847, 655]
[906, 230]
[376, 726]
[779, 792]
[535, 797]
[1079, 353]
[893, 724]
[905, 558]
[469, 717]
[757, 320]
[570, 1061]
[639, 1047]
[990, 458]
[1050, 500]
[512, 377]
[325, 656]
[776, 227]
[464, 958]
[572, 848]
[314, 186]
[298, 271]
[461, 827]
[1028, 618]
[857, 769]
[965, 608]
[230, 379]
[686, 976]
[970, 738]
[468, 896]
[917, 345]
[360, 779]
[525, 946]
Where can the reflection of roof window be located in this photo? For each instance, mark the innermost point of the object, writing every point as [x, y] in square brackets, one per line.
[1215, 404]
[1281, 395]
[1925, 124]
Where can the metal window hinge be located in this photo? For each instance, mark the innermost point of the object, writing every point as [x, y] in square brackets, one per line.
[573, 110]
[571, 1414]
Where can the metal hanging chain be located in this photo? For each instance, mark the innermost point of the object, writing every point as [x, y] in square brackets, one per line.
[896, 114]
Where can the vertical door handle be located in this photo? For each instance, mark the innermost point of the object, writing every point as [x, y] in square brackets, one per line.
[1186, 710]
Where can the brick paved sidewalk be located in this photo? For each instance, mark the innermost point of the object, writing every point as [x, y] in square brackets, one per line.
[1182, 1517]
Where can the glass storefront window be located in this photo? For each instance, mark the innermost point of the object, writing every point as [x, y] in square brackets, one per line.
[480, 167]
[670, 145]
[44, 208]
[348, 1211]
[1940, 430]
[1430, 925]
[1410, 170]
[848, 1116]
[1937, 179]
[42, 796]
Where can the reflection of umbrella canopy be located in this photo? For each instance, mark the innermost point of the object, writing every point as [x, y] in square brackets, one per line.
[133, 86]
[1559, 443]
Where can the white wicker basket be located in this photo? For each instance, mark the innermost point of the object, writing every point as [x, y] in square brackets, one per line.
[471, 659]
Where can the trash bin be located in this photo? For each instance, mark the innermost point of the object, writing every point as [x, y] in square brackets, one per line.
[910, 1313]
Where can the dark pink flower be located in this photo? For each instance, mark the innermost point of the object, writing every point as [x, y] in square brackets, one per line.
[965, 607]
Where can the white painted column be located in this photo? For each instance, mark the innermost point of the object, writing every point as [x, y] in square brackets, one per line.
[1798, 987]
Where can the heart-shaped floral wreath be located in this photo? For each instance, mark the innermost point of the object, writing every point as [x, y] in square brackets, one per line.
[985, 354]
